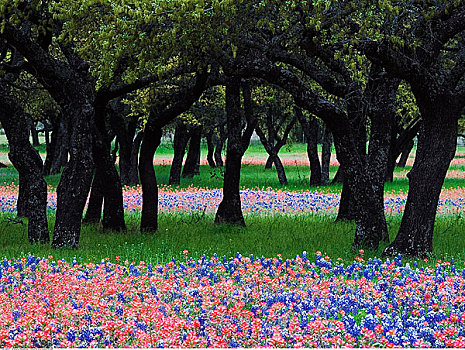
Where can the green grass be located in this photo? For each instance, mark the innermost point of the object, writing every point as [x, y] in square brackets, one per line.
[252, 176]
[264, 235]
[267, 236]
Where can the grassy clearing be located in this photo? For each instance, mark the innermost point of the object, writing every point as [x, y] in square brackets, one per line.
[264, 235]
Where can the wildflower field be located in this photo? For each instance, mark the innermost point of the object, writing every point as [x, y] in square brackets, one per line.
[289, 279]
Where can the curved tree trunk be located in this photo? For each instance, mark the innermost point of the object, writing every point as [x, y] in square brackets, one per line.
[29, 165]
[219, 146]
[192, 164]
[436, 148]
[210, 149]
[269, 162]
[150, 142]
[181, 137]
[347, 210]
[21, 203]
[280, 170]
[229, 210]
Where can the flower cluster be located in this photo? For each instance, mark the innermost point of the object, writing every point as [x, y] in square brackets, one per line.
[268, 201]
[231, 302]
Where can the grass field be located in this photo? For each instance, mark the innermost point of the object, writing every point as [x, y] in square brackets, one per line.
[264, 235]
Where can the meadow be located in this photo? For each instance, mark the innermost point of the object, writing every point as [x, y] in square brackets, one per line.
[288, 279]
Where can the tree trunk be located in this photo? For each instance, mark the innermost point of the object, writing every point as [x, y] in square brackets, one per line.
[181, 138]
[76, 178]
[27, 161]
[60, 156]
[436, 148]
[113, 209]
[326, 155]
[51, 146]
[393, 154]
[369, 225]
[229, 210]
[125, 129]
[34, 134]
[401, 145]
[134, 170]
[150, 142]
[280, 170]
[210, 149]
[339, 176]
[192, 164]
[269, 162]
[21, 203]
[114, 152]
[94, 208]
[219, 146]
[47, 138]
[405, 153]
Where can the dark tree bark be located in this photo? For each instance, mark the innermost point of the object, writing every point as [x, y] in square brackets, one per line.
[51, 146]
[310, 129]
[357, 120]
[326, 155]
[94, 207]
[76, 178]
[21, 203]
[151, 140]
[106, 174]
[269, 162]
[125, 129]
[221, 139]
[435, 149]
[61, 150]
[192, 164]
[47, 136]
[338, 177]
[347, 210]
[229, 210]
[34, 134]
[210, 149]
[114, 151]
[181, 137]
[134, 171]
[29, 165]
[381, 93]
[405, 153]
